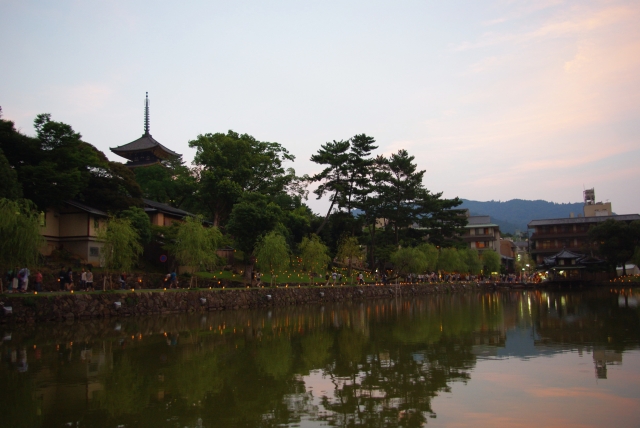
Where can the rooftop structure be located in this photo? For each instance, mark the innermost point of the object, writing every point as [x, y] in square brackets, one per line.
[552, 235]
[144, 151]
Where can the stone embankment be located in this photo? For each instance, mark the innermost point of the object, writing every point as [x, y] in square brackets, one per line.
[60, 307]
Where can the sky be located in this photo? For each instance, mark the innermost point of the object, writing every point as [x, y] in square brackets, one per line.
[496, 100]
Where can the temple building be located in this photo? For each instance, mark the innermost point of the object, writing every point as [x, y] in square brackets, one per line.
[144, 151]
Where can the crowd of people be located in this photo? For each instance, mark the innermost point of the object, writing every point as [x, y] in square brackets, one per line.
[17, 280]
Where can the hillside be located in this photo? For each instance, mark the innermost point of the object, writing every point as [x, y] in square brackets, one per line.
[517, 213]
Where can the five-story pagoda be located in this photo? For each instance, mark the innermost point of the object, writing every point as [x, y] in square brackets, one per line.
[144, 151]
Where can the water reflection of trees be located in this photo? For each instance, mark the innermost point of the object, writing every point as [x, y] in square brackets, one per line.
[385, 361]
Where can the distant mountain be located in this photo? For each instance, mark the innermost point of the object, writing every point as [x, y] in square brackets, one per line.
[517, 213]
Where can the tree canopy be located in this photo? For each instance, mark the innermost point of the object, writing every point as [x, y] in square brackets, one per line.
[231, 164]
[195, 245]
[616, 241]
[20, 231]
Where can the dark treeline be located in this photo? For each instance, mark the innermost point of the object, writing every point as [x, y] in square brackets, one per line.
[242, 186]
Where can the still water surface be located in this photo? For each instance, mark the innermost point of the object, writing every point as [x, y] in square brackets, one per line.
[490, 359]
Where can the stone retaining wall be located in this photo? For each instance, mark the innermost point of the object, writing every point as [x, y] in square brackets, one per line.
[31, 308]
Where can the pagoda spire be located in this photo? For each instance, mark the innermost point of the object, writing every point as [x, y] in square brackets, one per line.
[146, 115]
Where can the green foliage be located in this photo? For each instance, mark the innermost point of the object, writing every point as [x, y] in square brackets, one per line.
[121, 245]
[140, 222]
[431, 254]
[172, 183]
[196, 245]
[449, 260]
[314, 254]
[231, 164]
[616, 240]
[472, 260]
[20, 231]
[350, 250]
[491, 261]
[272, 253]
[409, 260]
[10, 187]
[57, 166]
[252, 217]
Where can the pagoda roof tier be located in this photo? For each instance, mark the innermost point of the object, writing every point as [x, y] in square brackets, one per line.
[144, 144]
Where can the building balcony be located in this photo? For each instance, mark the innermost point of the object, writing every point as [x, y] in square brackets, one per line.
[559, 234]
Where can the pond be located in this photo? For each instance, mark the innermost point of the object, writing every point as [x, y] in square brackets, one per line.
[517, 358]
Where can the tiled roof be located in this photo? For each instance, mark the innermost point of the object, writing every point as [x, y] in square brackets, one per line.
[145, 142]
[583, 220]
[164, 208]
[86, 208]
[478, 219]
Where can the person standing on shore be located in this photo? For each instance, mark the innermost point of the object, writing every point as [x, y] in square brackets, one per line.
[23, 275]
[38, 286]
[83, 279]
[68, 280]
[89, 280]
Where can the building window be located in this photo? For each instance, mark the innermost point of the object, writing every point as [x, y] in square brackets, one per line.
[43, 219]
[481, 245]
[480, 231]
[94, 251]
[96, 223]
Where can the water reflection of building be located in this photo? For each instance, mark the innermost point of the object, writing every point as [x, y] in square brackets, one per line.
[603, 358]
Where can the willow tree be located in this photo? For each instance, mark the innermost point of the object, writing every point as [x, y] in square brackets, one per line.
[472, 260]
[409, 260]
[491, 261]
[20, 231]
[431, 253]
[121, 247]
[449, 260]
[196, 245]
[314, 254]
[350, 249]
[272, 254]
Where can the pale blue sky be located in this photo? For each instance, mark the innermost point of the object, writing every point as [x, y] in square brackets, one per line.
[496, 99]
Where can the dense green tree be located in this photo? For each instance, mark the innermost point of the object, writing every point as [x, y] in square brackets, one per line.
[358, 166]
[111, 187]
[140, 222]
[272, 254]
[431, 253]
[10, 187]
[253, 216]
[449, 260]
[334, 157]
[401, 191]
[616, 241]
[57, 166]
[372, 202]
[409, 260]
[171, 183]
[349, 249]
[439, 218]
[491, 261]
[472, 260]
[231, 164]
[20, 231]
[195, 246]
[314, 255]
[121, 246]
